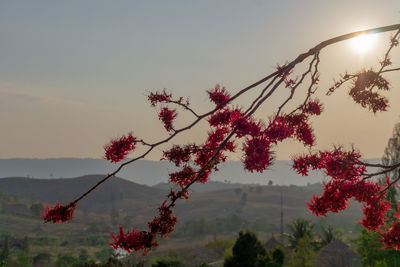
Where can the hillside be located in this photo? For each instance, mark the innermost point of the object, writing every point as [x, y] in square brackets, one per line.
[140, 202]
[117, 192]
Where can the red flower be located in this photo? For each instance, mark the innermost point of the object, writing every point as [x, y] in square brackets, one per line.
[257, 154]
[301, 164]
[164, 223]
[59, 213]
[305, 134]
[178, 154]
[246, 126]
[167, 115]
[117, 149]
[218, 95]
[278, 130]
[374, 214]
[182, 177]
[158, 97]
[391, 238]
[134, 240]
[222, 117]
[313, 108]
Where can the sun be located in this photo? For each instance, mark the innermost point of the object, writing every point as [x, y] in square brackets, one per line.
[363, 42]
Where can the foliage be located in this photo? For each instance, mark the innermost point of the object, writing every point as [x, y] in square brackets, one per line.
[42, 259]
[249, 251]
[372, 253]
[104, 253]
[66, 260]
[327, 235]
[5, 251]
[23, 259]
[246, 250]
[391, 157]
[278, 256]
[168, 261]
[299, 229]
[219, 246]
[304, 253]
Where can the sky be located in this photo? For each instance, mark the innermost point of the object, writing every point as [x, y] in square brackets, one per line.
[74, 74]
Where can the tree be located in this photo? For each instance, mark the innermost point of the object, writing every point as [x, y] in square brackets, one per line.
[249, 251]
[304, 254]
[42, 259]
[278, 256]
[372, 252]
[5, 252]
[327, 235]
[299, 229]
[25, 245]
[391, 157]
[246, 251]
[168, 261]
[66, 260]
[219, 246]
[23, 259]
[233, 128]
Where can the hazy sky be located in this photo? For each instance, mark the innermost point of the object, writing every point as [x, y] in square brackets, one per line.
[74, 74]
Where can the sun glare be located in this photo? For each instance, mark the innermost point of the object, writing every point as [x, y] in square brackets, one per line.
[363, 43]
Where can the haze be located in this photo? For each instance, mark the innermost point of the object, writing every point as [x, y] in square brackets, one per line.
[75, 74]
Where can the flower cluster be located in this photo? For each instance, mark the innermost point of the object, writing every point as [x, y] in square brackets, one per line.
[165, 222]
[117, 149]
[159, 97]
[347, 182]
[136, 240]
[391, 237]
[218, 95]
[362, 93]
[337, 194]
[180, 154]
[58, 213]
[338, 164]
[167, 116]
[258, 154]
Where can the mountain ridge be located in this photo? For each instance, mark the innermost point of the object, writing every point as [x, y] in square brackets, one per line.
[150, 172]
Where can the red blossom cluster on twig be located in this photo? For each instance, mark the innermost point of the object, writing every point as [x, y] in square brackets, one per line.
[117, 149]
[59, 213]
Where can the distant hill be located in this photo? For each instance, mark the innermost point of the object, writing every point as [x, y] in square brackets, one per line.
[200, 187]
[140, 201]
[117, 192]
[149, 172]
